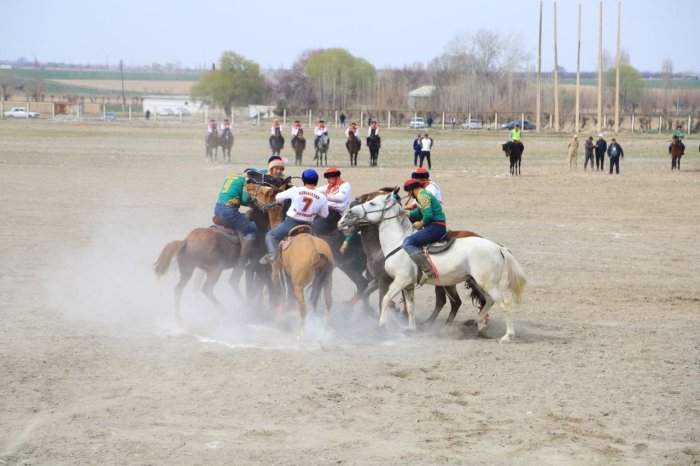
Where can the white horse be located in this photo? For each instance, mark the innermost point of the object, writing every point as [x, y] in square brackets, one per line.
[489, 269]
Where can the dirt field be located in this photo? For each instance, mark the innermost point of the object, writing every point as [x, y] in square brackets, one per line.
[603, 369]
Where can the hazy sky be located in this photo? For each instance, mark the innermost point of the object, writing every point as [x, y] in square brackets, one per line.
[387, 33]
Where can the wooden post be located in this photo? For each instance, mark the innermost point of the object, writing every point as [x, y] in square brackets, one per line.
[556, 74]
[617, 75]
[578, 73]
[539, 75]
[310, 116]
[689, 127]
[443, 121]
[388, 119]
[659, 124]
[284, 117]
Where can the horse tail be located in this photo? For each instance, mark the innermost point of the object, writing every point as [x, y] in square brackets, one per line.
[325, 271]
[516, 276]
[163, 263]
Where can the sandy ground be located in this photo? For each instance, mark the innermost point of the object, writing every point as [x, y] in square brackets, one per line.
[603, 370]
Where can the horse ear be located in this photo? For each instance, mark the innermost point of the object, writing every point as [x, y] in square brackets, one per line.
[288, 180]
[396, 189]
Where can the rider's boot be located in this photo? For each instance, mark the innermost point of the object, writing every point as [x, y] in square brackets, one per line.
[246, 246]
[422, 262]
[271, 244]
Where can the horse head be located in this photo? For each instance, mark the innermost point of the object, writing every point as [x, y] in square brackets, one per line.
[381, 207]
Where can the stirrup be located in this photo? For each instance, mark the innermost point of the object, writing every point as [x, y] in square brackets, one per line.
[267, 259]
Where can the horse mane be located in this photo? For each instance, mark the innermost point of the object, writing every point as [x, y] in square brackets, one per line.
[367, 196]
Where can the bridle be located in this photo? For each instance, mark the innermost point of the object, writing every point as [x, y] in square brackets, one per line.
[383, 209]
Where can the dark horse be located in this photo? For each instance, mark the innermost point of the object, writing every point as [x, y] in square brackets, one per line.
[353, 146]
[211, 142]
[514, 151]
[374, 143]
[298, 144]
[226, 143]
[322, 150]
[277, 142]
[676, 152]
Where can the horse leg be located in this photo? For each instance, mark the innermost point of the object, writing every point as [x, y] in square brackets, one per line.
[186, 271]
[440, 300]
[299, 296]
[483, 314]
[394, 289]
[455, 302]
[208, 287]
[235, 279]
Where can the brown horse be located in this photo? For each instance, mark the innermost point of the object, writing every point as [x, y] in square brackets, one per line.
[298, 144]
[204, 248]
[305, 260]
[353, 145]
[676, 153]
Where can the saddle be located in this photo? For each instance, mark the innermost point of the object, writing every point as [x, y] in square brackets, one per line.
[229, 233]
[446, 242]
[293, 233]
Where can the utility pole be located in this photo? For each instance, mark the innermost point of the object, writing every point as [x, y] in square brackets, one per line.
[578, 73]
[617, 75]
[556, 74]
[539, 75]
[121, 70]
[600, 69]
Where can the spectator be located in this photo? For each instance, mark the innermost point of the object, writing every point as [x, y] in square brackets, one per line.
[426, 145]
[416, 150]
[430, 121]
[590, 146]
[615, 153]
[148, 114]
[454, 122]
[342, 119]
[573, 152]
[601, 145]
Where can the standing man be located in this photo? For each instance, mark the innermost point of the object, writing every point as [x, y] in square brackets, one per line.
[615, 152]
[601, 146]
[306, 204]
[454, 122]
[416, 150]
[429, 219]
[342, 119]
[573, 152]
[589, 147]
[426, 145]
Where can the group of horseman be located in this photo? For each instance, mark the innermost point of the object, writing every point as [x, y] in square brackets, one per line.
[319, 208]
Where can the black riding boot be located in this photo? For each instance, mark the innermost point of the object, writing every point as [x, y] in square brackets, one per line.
[422, 262]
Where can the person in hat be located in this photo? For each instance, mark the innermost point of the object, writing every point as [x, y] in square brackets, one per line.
[601, 146]
[275, 166]
[353, 128]
[338, 192]
[573, 152]
[306, 204]
[319, 131]
[430, 221]
[423, 175]
[295, 130]
[232, 196]
[373, 132]
[211, 128]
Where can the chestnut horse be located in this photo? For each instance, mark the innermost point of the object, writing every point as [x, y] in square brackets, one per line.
[353, 146]
[304, 260]
[298, 144]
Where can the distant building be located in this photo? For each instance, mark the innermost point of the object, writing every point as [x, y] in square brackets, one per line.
[419, 98]
[156, 103]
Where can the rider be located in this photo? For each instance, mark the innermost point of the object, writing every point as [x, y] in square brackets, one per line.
[373, 131]
[679, 133]
[226, 125]
[338, 192]
[295, 130]
[516, 134]
[212, 126]
[275, 130]
[231, 197]
[423, 175]
[306, 204]
[275, 166]
[429, 219]
[353, 128]
[319, 131]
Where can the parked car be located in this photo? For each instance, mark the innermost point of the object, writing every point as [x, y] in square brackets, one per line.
[21, 112]
[528, 125]
[182, 111]
[472, 124]
[166, 111]
[417, 122]
[108, 116]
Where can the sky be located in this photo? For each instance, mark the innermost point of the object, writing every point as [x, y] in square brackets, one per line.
[387, 33]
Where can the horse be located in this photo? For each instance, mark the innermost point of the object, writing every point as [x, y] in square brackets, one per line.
[353, 145]
[277, 142]
[369, 233]
[208, 249]
[514, 151]
[298, 144]
[265, 214]
[226, 143]
[322, 150]
[676, 153]
[489, 269]
[305, 260]
[211, 143]
[374, 143]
